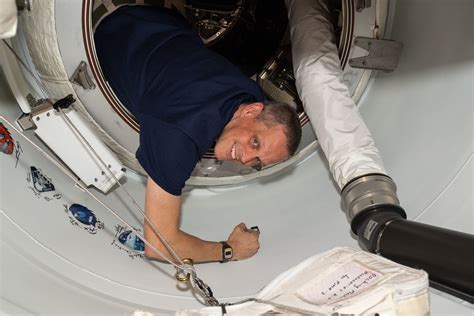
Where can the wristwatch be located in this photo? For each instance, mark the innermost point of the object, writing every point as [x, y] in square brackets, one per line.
[227, 252]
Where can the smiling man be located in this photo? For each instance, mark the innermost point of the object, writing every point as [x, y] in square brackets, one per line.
[187, 99]
[259, 134]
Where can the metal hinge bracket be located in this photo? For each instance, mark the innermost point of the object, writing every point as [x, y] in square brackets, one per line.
[383, 54]
[82, 78]
[25, 122]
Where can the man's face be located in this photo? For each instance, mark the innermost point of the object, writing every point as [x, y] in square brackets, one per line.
[248, 141]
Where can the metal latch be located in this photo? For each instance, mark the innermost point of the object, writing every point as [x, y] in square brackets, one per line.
[383, 54]
[82, 78]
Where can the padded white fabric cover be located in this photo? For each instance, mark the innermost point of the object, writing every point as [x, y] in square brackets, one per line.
[8, 18]
[343, 280]
[343, 135]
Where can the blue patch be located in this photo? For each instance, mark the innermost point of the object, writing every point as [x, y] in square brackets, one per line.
[83, 214]
[129, 239]
[83, 217]
[128, 242]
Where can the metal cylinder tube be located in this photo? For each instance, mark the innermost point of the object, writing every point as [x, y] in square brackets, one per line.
[369, 193]
[372, 206]
[447, 255]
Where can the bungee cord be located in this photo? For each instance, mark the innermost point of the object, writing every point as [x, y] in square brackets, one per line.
[23, 64]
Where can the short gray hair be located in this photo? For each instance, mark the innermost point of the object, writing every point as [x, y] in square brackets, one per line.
[275, 112]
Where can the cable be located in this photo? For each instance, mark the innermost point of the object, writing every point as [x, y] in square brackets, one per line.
[40, 84]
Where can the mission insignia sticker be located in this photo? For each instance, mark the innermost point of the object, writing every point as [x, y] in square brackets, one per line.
[83, 217]
[6, 141]
[41, 185]
[127, 241]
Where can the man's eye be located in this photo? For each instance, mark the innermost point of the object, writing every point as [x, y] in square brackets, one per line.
[254, 142]
[258, 164]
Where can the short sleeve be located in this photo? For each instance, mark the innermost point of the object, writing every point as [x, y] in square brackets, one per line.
[166, 153]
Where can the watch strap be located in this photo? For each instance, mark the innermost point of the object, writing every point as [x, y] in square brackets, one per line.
[227, 252]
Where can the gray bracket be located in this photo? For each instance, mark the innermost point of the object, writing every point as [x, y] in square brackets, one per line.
[362, 4]
[383, 54]
[82, 78]
[33, 102]
[25, 122]
[23, 4]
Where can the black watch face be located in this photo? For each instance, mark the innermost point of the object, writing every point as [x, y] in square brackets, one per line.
[228, 253]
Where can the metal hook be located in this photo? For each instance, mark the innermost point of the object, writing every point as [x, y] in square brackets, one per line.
[181, 274]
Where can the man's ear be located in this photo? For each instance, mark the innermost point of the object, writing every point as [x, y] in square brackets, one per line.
[252, 109]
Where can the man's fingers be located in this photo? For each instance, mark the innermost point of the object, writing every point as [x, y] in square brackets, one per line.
[238, 227]
[243, 227]
[253, 232]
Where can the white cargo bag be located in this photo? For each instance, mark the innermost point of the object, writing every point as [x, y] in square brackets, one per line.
[340, 281]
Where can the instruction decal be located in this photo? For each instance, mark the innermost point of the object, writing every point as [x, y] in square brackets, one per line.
[128, 242]
[83, 217]
[18, 152]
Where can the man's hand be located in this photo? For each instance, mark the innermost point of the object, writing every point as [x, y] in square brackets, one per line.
[244, 242]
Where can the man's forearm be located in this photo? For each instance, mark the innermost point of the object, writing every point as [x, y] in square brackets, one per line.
[163, 211]
[187, 246]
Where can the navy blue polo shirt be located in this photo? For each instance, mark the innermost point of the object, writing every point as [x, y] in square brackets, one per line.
[181, 93]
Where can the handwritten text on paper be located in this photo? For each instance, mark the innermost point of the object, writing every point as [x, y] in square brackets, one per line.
[345, 282]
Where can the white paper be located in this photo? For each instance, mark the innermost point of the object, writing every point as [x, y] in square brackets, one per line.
[343, 283]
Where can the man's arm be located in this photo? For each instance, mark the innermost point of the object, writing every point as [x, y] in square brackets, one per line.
[163, 210]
